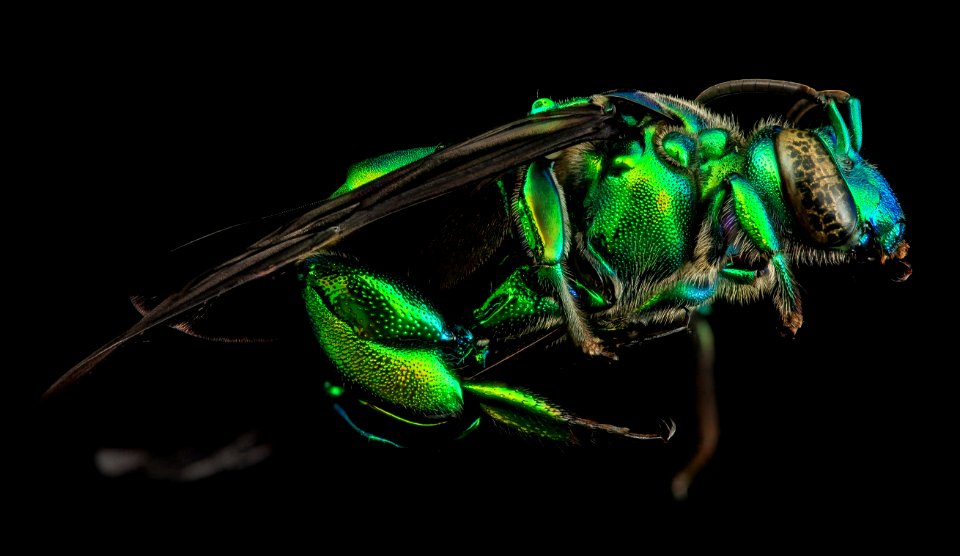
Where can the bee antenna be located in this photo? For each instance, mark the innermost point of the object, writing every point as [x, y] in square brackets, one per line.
[808, 97]
[747, 86]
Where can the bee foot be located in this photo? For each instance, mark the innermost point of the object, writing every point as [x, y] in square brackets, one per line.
[594, 348]
[668, 427]
[791, 323]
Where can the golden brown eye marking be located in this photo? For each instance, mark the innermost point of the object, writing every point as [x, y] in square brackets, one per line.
[815, 189]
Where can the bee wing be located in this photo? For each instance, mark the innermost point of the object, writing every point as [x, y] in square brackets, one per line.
[479, 158]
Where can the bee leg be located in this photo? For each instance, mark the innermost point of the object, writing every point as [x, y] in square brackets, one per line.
[390, 347]
[555, 278]
[753, 219]
[545, 228]
[529, 414]
[682, 295]
[708, 428]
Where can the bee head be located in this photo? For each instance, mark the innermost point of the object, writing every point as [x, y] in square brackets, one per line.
[838, 200]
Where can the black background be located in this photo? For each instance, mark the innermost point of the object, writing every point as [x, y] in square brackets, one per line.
[143, 139]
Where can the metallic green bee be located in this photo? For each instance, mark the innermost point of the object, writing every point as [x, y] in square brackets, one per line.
[605, 220]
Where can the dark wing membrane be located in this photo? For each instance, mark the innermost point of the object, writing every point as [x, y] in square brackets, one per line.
[258, 312]
[480, 158]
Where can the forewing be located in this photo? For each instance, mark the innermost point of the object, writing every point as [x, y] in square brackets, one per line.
[471, 161]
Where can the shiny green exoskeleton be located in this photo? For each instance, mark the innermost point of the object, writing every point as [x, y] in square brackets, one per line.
[606, 220]
[635, 232]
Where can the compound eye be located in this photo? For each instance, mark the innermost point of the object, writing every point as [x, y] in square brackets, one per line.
[815, 189]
